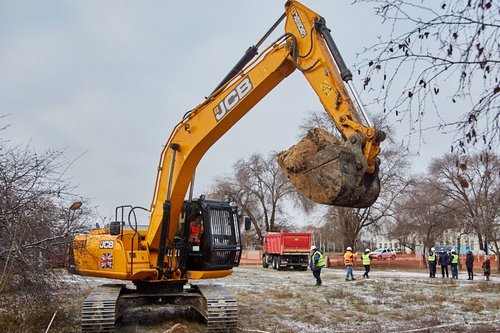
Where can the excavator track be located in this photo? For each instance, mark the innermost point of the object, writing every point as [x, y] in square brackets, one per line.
[221, 311]
[216, 305]
[99, 309]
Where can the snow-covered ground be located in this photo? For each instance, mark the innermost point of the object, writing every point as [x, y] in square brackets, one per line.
[390, 301]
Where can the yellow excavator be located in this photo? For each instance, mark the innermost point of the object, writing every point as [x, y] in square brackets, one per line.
[159, 261]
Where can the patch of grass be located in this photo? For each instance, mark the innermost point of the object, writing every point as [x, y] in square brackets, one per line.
[432, 321]
[311, 318]
[29, 313]
[363, 307]
[410, 315]
[417, 297]
[339, 317]
[280, 294]
[393, 315]
[475, 304]
[337, 293]
[439, 298]
[380, 288]
[488, 286]
[495, 304]
[432, 310]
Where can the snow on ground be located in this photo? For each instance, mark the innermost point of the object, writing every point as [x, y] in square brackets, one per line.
[390, 301]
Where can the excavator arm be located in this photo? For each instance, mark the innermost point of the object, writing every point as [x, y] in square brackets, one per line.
[307, 46]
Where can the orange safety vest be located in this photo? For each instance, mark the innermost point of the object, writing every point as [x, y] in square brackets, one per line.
[348, 258]
[195, 233]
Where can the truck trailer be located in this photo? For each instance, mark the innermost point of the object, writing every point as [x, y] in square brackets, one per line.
[286, 250]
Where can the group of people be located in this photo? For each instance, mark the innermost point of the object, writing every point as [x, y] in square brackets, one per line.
[445, 259]
[318, 262]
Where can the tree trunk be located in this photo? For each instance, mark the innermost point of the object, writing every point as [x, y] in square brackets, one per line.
[350, 240]
[424, 259]
[480, 239]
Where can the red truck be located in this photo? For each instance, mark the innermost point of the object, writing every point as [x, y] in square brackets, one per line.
[286, 249]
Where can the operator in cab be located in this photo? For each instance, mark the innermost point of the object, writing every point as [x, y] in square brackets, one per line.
[195, 232]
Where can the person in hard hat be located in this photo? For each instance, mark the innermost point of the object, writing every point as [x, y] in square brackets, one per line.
[349, 257]
[317, 263]
[469, 263]
[366, 261]
[486, 267]
[454, 264]
[443, 261]
[432, 259]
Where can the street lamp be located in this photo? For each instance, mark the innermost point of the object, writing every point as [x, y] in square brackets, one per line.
[71, 260]
[76, 205]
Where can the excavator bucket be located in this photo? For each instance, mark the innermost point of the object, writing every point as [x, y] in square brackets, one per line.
[330, 171]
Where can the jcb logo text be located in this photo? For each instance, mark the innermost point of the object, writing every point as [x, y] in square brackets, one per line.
[107, 244]
[234, 96]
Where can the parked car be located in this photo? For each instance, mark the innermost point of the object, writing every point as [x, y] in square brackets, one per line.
[383, 253]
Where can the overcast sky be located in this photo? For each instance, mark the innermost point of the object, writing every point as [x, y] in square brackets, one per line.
[108, 80]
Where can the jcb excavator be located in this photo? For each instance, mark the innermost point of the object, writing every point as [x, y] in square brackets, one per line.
[160, 261]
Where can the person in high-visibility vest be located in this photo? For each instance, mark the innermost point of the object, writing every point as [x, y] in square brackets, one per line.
[366, 261]
[454, 264]
[316, 264]
[349, 262]
[432, 259]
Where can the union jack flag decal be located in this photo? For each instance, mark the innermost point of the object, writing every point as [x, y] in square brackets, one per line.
[107, 260]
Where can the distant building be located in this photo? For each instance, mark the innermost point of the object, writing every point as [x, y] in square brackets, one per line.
[448, 239]
[383, 241]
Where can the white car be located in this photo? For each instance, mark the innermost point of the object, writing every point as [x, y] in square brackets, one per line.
[383, 253]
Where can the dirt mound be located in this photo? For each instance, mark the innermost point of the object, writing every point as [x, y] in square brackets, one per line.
[330, 171]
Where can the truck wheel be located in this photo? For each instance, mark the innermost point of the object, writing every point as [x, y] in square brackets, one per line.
[265, 264]
[278, 260]
[275, 263]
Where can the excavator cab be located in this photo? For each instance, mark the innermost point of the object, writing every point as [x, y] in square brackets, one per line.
[213, 245]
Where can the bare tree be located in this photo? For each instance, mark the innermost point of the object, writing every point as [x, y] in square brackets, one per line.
[424, 211]
[472, 184]
[35, 225]
[404, 231]
[438, 55]
[261, 190]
